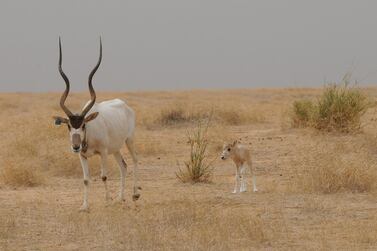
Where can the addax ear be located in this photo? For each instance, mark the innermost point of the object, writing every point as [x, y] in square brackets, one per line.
[91, 117]
[59, 120]
[235, 142]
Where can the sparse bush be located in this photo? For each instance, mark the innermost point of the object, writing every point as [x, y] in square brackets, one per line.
[172, 115]
[239, 116]
[197, 168]
[179, 113]
[231, 114]
[339, 108]
[303, 112]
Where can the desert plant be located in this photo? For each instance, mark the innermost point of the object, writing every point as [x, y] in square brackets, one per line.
[172, 115]
[198, 168]
[303, 113]
[179, 113]
[339, 108]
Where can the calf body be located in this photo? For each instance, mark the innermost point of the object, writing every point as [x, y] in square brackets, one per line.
[241, 157]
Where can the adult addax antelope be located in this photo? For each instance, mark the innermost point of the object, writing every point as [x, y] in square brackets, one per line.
[101, 128]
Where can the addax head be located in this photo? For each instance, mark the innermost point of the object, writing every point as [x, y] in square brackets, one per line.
[76, 123]
[228, 150]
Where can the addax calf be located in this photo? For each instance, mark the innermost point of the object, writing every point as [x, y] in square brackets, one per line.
[241, 157]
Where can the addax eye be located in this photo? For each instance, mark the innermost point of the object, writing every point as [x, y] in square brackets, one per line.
[228, 149]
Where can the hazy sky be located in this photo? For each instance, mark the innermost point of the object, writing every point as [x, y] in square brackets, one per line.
[174, 44]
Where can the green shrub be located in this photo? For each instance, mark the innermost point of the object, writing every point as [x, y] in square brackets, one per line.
[339, 108]
[303, 112]
[197, 168]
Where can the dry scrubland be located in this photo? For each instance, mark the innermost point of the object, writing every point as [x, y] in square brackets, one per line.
[317, 191]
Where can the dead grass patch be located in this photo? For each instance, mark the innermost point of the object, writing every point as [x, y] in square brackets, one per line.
[332, 169]
[239, 115]
[20, 174]
[198, 225]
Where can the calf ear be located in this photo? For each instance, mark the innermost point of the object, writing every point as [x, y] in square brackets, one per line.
[91, 117]
[59, 120]
[235, 142]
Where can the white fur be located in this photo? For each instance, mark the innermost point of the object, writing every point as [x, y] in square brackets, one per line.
[106, 134]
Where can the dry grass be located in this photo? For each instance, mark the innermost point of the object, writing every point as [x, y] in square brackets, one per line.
[239, 115]
[19, 174]
[316, 190]
[227, 114]
[336, 167]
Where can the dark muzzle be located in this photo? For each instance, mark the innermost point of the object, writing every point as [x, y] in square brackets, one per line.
[76, 142]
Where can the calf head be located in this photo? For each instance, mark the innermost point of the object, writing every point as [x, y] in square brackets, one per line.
[228, 150]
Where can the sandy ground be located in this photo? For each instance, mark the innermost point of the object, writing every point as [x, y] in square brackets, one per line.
[171, 215]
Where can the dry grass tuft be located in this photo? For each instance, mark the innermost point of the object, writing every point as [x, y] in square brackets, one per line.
[20, 175]
[227, 114]
[239, 115]
[197, 168]
[339, 108]
[179, 113]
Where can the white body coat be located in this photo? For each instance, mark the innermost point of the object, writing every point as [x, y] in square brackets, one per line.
[114, 124]
[106, 134]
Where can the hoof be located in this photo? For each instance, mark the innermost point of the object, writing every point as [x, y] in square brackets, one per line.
[135, 197]
[255, 190]
[120, 199]
[234, 192]
[242, 191]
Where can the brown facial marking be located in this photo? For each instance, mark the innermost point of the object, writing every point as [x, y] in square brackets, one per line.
[76, 121]
[86, 182]
[104, 178]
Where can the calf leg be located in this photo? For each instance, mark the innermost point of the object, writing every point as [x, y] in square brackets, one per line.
[237, 185]
[104, 173]
[122, 168]
[85, 169]
[131, 148]
[253, 176]
[243, 179]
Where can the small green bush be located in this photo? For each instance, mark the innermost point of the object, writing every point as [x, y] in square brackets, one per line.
[303, 112]
[197, 168]
[339, 108]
